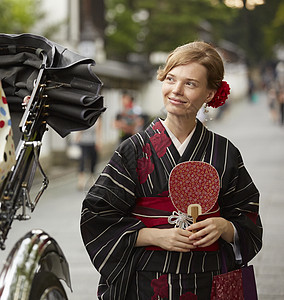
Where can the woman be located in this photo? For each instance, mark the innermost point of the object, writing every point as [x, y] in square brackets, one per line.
[153, 259]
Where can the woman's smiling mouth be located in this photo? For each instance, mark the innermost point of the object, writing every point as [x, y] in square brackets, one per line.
[176, 101]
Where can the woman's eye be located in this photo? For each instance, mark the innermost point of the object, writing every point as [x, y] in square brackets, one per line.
[190, 83]
[168, 78]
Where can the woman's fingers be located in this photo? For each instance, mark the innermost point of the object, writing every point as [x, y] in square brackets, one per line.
[176, 239]
[208, 231]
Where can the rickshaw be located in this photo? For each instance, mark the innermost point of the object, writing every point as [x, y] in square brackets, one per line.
[65, 96]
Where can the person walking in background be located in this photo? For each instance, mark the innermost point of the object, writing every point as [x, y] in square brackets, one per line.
[128, 121]
[125, 221]
[280, 90]
[89, 141]
[272, 99]
[281, 105]
[251, 89]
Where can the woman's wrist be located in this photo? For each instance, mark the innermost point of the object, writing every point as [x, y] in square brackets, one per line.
[145, 237]
[228, 232]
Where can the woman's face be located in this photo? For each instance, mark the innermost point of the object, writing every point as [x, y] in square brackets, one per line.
[185, 89]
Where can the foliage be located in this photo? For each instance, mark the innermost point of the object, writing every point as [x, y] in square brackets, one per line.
[257, 31]
[122, 31]
[273, 32]
[145, 26]
[18, 16]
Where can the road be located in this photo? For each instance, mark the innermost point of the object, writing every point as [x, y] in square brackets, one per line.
[261, 143]
[58, 214]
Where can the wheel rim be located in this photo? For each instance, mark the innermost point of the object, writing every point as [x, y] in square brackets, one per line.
[53, 293]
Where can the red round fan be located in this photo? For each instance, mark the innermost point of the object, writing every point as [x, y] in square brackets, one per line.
[194, 187]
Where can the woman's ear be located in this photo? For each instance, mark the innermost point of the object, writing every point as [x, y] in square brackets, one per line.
[210, 96]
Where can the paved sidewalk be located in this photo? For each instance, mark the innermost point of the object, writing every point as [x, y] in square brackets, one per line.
[261, 142]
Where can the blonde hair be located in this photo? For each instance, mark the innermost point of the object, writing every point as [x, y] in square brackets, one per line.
[199, 52]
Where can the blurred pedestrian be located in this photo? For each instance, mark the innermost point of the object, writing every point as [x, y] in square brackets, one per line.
[127, 215]
[251, 89]
[280, 89]
[89, 141]
[272, 99]
[281, 105]
[129, 120]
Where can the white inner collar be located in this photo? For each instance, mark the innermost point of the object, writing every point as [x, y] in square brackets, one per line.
[180, 146]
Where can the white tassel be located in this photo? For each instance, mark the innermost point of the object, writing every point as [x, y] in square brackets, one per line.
[180, 219]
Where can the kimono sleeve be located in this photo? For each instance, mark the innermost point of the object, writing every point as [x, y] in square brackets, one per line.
[240, 205]
[108, 232]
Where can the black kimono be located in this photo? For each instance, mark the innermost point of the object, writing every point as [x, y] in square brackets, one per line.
[133, 188]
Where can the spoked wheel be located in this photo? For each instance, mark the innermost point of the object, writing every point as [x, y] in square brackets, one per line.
[46, 286]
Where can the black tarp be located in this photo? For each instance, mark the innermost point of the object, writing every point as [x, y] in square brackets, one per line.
[72, 86]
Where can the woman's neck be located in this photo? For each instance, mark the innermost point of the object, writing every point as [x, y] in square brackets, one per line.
[180, 127]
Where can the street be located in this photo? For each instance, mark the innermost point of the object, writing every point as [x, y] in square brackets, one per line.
[58, 214]
[261, 142]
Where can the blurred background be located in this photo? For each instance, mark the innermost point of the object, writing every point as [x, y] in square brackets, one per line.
[129, 40]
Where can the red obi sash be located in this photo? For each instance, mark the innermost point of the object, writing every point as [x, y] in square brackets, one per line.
[154, 212]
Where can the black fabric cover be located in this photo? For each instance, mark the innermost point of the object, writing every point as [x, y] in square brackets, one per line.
[72, 87]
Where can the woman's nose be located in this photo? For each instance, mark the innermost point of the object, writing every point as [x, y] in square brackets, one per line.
[178, 88]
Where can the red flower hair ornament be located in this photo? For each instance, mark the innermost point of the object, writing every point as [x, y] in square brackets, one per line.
[220, 96]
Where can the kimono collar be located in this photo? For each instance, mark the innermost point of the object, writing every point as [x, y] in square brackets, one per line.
[168, 153]
[196, 149]
[180, 146]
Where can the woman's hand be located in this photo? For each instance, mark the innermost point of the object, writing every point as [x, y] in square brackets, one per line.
[176, 239]
[173, 239]
[210, 230]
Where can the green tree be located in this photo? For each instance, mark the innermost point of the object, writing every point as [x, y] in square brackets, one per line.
[173, 23]
[145, 26]
[257, 31]
[122, 31]
[273, 31]
[19, 16]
